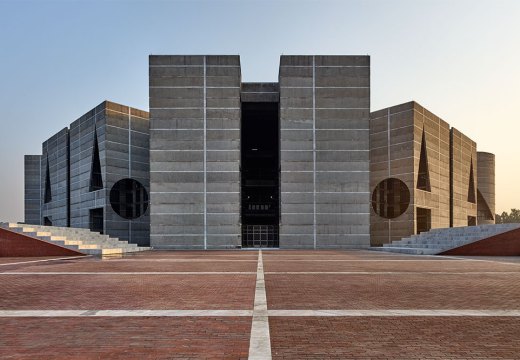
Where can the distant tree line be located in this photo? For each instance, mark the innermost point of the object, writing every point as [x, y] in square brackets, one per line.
[512, 217]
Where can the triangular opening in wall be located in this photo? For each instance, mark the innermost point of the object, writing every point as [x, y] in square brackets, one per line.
[47, 197]
[471, 187]
[96, 180]
[423, 176]
[483, 208]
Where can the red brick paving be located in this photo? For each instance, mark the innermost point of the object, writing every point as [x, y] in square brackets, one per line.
[413, 291]
[108, 292]
[291, 337]
[137, 266]
[8, 260]
[125, 338]
[302, 338]
[391, 266]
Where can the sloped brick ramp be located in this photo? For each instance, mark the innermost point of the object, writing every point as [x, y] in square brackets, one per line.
[504, 244]
[13, 244]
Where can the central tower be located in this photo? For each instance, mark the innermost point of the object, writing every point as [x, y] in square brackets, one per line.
[281, 164]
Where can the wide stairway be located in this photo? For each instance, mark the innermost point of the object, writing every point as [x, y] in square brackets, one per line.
[437, 241]
[82, 240]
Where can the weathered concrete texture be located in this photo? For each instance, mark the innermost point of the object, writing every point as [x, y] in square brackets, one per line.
[55, 176]
[123, 142]
[260, 92]
[32, 189]
[324, 120]
[396, 136]
[195, 151]
[463, 162]
[485, 188]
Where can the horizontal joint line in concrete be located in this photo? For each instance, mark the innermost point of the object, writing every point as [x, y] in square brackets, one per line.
[321, 108]
[325, 171]
[194, 129]
[326, 192]
[194, 108]
[194, 87]
[194, 192]
[201, 234]
[325, 213]
[307, 129]
[335, 150]
[196, 66]
[327, 66]
[325, 87]
[126, 129]
[122, 313]
[198, 171]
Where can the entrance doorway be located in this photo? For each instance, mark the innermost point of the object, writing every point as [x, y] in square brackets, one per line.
[260, 175]
[424, 220]
[96, 220]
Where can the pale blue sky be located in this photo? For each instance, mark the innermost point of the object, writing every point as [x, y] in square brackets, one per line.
[460, 59]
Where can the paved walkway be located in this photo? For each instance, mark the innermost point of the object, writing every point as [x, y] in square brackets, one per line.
[260, 305]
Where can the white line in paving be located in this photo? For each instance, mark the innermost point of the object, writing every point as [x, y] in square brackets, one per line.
[484, 260]
[130, 273]
[44, 260]
[260, 341]
[122, 313]
[178, 260]
[413, 313]
[275, 313]
[391, 273]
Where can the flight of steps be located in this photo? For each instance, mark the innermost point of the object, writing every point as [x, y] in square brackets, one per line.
[436, 241]
[82, 240]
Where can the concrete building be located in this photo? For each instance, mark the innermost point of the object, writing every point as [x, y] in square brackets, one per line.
[485, 188]
[240, 165]
[94, 175]
[423, 175]
[299, 163]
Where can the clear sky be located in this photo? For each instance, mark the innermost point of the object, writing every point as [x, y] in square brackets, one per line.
[59, 59]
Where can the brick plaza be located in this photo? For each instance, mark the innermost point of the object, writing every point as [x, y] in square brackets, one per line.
[204, 305]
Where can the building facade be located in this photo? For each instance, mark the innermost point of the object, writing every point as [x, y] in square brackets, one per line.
[298, 163]
[423, 175]
[94, 174]
[270, 164]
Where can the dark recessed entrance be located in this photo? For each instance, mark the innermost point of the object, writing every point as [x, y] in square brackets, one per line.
[424, 220]
[260, 174]
[96, 220]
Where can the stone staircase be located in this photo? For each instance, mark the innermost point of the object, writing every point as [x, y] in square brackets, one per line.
[82, 240]
[437, 241]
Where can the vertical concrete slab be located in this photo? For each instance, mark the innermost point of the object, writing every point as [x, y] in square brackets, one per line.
[392, 155]
[82, 199]
[32, 189]
[396, 136]
[486, 188]
[127, 157]
[463, 155]
[55, 158]
[194, 151]
[324, 119]
[436, 135]
[123, 143]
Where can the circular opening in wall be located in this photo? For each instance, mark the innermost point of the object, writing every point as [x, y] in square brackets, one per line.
[129, 198]
[390, 198]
